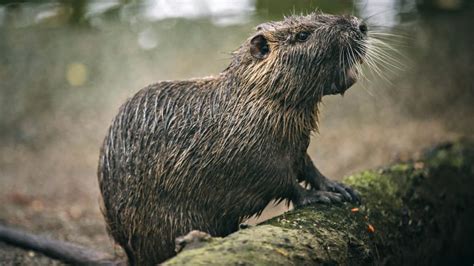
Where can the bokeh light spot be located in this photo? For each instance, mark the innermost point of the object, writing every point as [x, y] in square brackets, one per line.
[76, 74]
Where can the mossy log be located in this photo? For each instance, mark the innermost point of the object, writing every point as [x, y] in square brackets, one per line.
[413, 212]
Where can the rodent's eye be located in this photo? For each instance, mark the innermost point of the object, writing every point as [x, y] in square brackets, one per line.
[302, 36]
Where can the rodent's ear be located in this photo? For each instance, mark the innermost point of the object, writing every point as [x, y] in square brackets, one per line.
[259, 47]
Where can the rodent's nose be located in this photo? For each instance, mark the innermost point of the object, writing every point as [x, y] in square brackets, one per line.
[363, 27]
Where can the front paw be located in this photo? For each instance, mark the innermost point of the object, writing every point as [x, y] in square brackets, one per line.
[318, 196]
[347, 193]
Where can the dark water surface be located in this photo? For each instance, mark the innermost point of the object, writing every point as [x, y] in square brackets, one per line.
[66, 66]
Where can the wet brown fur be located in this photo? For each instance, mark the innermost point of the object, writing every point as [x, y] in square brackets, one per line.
[204, 154]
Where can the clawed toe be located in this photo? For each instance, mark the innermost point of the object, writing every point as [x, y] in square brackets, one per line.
[347, 192]
[325, 197]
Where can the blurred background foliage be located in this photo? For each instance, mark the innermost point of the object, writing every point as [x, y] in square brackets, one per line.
[67, 65]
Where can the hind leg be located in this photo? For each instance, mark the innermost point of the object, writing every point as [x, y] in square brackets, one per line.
[149, 250]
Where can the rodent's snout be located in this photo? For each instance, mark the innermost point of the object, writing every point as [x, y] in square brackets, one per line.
[363, 27]
[359, 25]
[352, 50]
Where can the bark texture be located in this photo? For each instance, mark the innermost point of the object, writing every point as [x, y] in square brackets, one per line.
[413, 212]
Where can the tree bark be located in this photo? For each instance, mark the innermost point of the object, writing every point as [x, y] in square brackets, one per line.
[412, 212]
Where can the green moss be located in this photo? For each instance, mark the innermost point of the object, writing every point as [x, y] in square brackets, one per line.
[400, 168]
[377, 189]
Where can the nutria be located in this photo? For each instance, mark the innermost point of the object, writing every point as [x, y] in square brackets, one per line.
[205, 154]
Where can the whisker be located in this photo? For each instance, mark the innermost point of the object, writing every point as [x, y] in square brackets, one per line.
[385, 44]
[393, 35]
[373, 61]
[386, 55]
[385, 50]
[344, 63]
[387, 59]
[375, 14]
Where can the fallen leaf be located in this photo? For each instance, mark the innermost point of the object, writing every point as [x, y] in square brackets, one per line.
[370, 228]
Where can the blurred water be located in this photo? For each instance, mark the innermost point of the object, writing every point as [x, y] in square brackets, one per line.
[66, 66]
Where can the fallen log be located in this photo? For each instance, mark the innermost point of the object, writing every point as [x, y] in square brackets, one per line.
[413, 212]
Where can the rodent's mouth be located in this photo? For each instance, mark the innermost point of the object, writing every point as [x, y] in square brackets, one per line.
[343, 82]
[350, 60]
